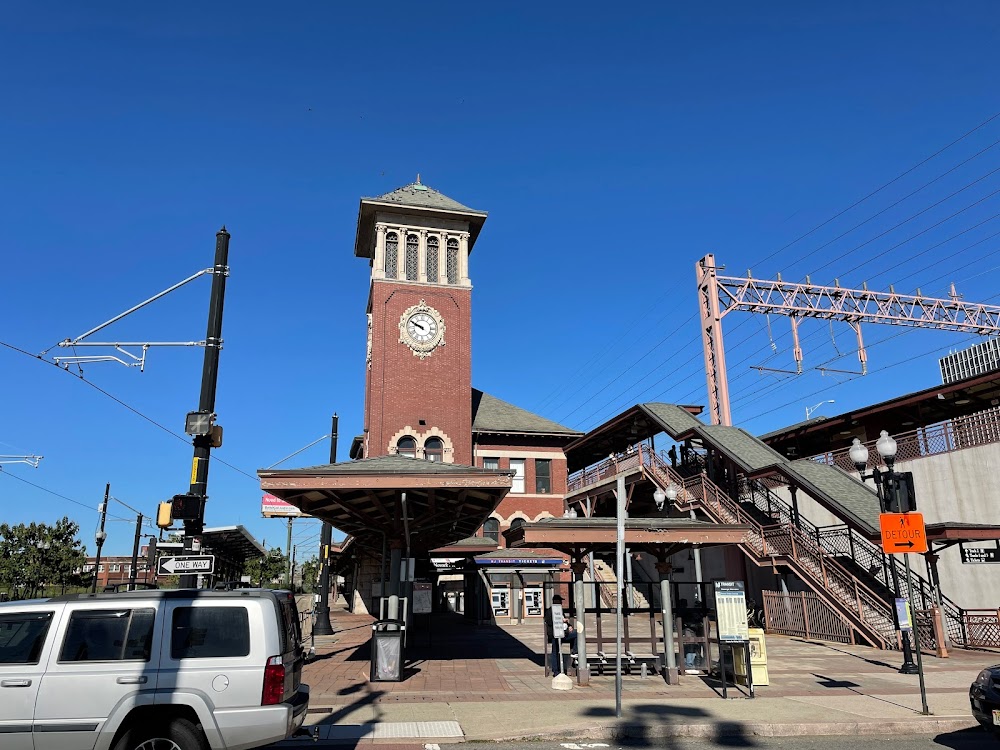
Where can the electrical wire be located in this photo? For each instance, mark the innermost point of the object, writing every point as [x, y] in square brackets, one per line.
[63, 497]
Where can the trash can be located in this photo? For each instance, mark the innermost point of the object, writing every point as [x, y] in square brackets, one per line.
[387, 651]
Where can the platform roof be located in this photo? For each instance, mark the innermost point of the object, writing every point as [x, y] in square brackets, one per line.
[663, 536]
[632, 426]
[365, 499]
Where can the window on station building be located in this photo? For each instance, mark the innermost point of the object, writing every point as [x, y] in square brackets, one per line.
[543, 476]
[412, 263]
[434, 449]
[391, 254]
[492, 464]
[432, 259]
[452, 261]
[491, 530]
[407, 446]
[517, 466]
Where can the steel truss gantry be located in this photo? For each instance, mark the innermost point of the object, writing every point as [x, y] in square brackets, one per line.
[720, 295]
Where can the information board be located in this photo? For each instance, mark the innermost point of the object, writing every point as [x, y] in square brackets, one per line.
[903, 614]
[731, 611]
[422, 598]
[558, 621]
[977, 555]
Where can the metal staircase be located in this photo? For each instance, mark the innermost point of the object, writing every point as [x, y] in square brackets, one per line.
[784, 543]
[608, 583]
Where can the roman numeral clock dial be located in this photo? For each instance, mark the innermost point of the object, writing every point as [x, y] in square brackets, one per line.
[421, 328]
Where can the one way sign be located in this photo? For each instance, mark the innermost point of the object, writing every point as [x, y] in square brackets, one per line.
[903, 532]
[168, 566]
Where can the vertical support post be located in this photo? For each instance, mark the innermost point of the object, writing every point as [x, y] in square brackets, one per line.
[696, 551]
[670, 671]
[711, 336]
[805, 612]
[101, 535]
[322, 624]
[288, 556]
[135, 553]
[395, 561]
[916, 639]
[580, 603]
[619, 558]
[206, 402]
[796, 346]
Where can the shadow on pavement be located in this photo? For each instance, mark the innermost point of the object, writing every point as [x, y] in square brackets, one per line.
[967, 739]
[641, 726]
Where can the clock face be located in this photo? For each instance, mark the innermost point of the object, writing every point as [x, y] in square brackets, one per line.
[421, 328]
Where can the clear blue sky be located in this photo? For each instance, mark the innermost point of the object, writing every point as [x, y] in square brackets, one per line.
[613, 146]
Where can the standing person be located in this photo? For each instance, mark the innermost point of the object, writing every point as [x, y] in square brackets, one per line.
[672, 454]
[568, 635]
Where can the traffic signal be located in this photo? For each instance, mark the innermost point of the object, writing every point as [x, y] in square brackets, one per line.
[188, 507]
[163, 515]
[899, 494]
[151, 553]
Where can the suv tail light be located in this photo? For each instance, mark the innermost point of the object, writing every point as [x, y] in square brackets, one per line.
[274, 682]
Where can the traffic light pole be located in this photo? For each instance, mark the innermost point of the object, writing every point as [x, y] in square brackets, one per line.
[101, 535]
[135, 553]
[322, 625]
[193, 528]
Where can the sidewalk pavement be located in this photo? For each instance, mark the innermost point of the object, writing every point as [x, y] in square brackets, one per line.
[466, 682]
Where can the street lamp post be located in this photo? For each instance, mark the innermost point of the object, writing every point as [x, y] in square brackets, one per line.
[886, 448]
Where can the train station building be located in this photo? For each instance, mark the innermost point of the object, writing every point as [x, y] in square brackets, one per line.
[458, 501]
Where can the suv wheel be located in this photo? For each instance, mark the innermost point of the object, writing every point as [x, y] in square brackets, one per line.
[177, 734]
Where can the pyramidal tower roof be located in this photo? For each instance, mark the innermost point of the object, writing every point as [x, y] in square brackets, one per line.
[418, 195]
[416, 198]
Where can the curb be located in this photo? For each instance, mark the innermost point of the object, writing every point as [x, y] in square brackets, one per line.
[742, 729]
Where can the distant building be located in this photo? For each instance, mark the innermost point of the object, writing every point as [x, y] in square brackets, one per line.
[115, 570]
[976, 360]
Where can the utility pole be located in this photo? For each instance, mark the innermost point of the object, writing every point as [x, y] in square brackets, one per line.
[288, 556]
[322, 625]
[101, 535]
[135, 553]
[203, 441]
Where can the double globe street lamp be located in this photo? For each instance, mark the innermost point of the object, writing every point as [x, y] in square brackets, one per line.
[886, 448]
[661, 496]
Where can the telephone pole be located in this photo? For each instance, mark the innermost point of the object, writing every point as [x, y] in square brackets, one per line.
[101, 535]
[135, 553]
[204, 437]
[322, 625]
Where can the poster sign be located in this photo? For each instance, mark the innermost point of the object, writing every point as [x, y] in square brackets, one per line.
[903, 614]
[533, 602]
[731, 610]
[422, 600]
[558, 621]
[275, 507]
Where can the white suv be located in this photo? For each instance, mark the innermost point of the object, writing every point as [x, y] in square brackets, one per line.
[177, 670]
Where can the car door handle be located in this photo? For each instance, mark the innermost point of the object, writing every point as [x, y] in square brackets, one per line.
[132, 680]
[15, 683]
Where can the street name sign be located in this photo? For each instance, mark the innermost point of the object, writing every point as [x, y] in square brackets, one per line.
[903, 532]
[980, 554]
[169, 566]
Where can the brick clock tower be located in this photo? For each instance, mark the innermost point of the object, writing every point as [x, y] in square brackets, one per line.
[418, 390]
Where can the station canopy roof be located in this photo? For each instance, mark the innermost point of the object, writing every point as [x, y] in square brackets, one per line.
[234, 543]
[434, 503]
[663, 536]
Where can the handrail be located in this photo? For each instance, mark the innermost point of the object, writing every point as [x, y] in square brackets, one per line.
[787, 540]
[980, 428]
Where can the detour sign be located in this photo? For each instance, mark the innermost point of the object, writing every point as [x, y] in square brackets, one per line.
[903, 532]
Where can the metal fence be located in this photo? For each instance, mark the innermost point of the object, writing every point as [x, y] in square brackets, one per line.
[804, 614]
[981, 627]
[981, 428]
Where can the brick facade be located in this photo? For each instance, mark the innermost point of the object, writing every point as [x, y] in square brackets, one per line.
[403, 390]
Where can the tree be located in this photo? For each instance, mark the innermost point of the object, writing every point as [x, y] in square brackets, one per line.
[310, 575]
[268, 570]
[37, 554]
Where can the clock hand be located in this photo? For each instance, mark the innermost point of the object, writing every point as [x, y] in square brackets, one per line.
[421, 326]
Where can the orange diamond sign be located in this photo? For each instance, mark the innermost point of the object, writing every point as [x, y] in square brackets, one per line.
[903, 532]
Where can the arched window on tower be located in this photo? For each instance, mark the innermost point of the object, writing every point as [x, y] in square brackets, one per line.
[434, 449]
[491, 530]
[391, 254]
[407, 446]
[432, 259]
[412, 264]
[452, 261]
